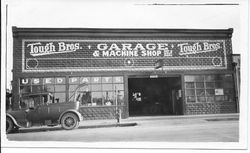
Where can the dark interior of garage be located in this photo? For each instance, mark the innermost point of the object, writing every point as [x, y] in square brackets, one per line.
[155, 96]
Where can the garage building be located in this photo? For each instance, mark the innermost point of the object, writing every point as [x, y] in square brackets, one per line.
[139, 71]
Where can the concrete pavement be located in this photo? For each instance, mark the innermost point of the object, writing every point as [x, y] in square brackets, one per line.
[194, 128]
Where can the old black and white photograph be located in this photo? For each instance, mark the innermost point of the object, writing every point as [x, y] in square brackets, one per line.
[136, 75]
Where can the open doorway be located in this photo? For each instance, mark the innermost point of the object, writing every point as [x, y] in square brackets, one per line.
[155, 96]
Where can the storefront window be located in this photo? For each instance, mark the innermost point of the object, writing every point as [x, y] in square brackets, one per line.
[42, 90]
[99, 91]
[209, 88]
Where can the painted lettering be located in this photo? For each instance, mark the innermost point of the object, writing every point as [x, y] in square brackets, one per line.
[48, 80]
[84, 80]
[25, 81]
[36, 81]
[59, 80]
[102, 46]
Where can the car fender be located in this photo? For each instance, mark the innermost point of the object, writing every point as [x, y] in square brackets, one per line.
[79, 115]
[13, 119]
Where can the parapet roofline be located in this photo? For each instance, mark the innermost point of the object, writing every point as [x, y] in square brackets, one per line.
[102, 32]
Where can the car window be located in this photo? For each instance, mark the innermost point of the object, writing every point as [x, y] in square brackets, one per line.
[27, 102]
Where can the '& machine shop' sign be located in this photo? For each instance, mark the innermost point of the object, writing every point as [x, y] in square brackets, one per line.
[89, 55]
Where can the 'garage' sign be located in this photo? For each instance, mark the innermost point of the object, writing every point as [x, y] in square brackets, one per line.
[49, 55]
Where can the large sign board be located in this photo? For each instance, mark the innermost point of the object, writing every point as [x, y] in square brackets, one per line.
[122, 55]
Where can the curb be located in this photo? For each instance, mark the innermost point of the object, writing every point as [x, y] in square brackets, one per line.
[108, 125]
[231, 115]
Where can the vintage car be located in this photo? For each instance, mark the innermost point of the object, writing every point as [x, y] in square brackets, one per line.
[50, 113]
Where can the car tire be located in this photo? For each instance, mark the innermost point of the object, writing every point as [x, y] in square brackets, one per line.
[69, 121]
[9, 125]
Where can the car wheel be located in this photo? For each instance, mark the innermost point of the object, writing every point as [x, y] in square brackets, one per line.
[69, 121]
[9, 125]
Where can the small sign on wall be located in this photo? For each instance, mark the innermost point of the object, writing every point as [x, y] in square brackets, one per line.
[219, 92]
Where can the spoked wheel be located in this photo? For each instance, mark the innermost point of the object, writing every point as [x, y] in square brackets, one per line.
[9, 125]
[69, 121]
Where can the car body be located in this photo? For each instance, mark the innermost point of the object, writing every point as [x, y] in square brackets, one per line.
[48, 113]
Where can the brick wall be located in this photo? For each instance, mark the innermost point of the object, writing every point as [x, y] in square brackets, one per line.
[95, 113]
[210, 108]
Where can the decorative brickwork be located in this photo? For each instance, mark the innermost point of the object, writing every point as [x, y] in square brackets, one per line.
[95, 113]
[210, 108]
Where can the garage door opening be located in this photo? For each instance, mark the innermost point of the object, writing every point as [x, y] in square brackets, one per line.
[155, 96]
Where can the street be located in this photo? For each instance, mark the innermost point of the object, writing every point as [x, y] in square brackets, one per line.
[153, 129]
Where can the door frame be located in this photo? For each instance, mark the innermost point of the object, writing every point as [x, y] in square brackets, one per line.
[159, 75]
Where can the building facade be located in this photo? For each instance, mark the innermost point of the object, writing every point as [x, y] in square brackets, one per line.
[139, 71]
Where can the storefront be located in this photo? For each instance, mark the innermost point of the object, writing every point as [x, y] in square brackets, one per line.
[140, 71]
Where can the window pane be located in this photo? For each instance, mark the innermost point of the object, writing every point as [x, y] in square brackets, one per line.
[27, 102]
[72, 87]
[59, 80]
[37, 100]
[96, 87]
[219, 98]
[74, 80]
[228, 91]
[200, 92]
[85, 80]
[218, 84]
[120, 98]
[48, 80]
[190, 92]
[96, 98]
[118, 87]
[189, 78]
[36, 81]
[106, 79]
[118, 79]
[60, 87]
[71, 96]
[210, 92]
[189, 85]
[228, 85]
[219, 77]
[210, 84]
[48, 88]
[25, 81]
[84, 98]
[60, 97]
[108, 98]
[37, 88]
[210, 99]
[210, 78]
[201, 99]
[95, 79]
[194, 78]
[107, 87]
[229, 98]
[199, 78]
[190, 99]
[199, 84]
[228, 77]
[85, 88]
[25, 89]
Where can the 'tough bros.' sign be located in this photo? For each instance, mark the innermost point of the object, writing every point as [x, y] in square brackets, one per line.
[48, 50]
[121, 49]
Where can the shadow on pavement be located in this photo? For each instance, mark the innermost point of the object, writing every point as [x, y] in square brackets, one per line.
[223, 119]
[58, 128]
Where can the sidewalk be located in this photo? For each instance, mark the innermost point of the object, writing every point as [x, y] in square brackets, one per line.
[133, 121]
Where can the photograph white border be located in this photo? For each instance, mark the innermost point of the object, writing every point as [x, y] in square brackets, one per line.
[244, 106]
